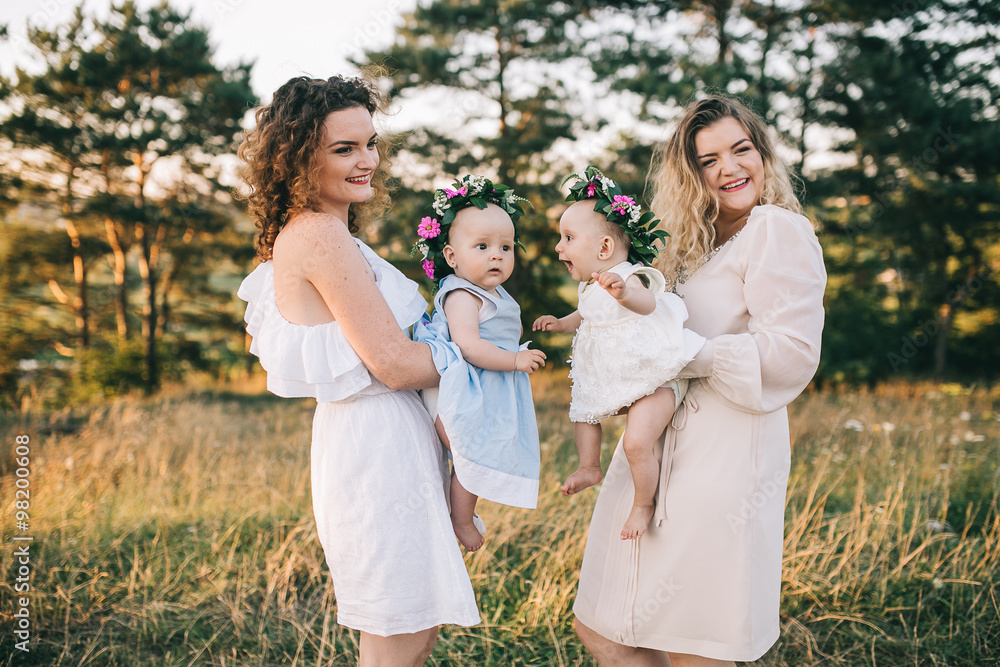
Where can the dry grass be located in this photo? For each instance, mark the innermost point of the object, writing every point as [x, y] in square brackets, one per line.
[178, 531]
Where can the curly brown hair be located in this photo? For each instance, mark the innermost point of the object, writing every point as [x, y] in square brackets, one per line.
[281, 160]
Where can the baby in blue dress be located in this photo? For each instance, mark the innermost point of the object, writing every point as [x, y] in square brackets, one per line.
[485, 415]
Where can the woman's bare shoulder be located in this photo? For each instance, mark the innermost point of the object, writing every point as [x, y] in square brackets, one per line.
[309, 225]
[310, 233]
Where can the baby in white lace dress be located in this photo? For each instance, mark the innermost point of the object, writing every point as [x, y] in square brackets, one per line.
[630, 342]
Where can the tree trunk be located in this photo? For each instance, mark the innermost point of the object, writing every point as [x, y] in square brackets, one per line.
[806, 106]
[503, 58]
[954, 300]
[168, 282]
[720, 10]
[119, 267]
[941, 342]
[80, 303]
[147, 270]
[149, 251]
[769, 38]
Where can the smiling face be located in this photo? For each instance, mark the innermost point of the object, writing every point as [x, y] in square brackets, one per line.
[481, 246]
[349, 157]
[731, 167]
[584, 246]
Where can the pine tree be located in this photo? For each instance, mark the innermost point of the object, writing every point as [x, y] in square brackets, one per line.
[117, 97]
[505, 72]
[919, 88]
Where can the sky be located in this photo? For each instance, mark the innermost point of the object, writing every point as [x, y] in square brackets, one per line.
[288, 38]
[284, 39]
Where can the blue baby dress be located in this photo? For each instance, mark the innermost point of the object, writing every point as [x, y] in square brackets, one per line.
[488, 415]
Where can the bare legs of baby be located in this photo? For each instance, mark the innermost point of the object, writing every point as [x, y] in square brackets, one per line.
[463, 504]
[588, 449]
[647, 420]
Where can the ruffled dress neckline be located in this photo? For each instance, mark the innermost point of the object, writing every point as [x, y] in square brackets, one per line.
[317, 361]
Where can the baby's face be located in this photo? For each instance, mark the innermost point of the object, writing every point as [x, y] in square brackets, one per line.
[580, 233]
[481, 246]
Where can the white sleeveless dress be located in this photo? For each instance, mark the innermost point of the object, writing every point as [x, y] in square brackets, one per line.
[379, 476]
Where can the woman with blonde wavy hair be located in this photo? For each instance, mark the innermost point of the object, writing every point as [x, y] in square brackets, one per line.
[329, 320]
[702, 586]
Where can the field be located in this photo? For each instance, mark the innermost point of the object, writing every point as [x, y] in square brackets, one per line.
[177, 531]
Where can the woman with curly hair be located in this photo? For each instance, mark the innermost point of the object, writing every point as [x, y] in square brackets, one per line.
[702, 586]
[329, 320]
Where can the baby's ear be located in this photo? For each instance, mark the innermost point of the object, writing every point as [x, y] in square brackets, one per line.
[449, 256]
[607, 247]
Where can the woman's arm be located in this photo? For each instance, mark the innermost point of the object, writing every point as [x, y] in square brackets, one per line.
[325, 254]
[461, 308]
[783, 285]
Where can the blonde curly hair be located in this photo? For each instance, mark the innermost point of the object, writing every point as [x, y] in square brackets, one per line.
[281, 160]
[687, 208]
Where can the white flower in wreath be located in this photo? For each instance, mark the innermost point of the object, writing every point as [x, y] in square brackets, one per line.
[440, 203]
[477, 183]
[607, 183]
[424, 249]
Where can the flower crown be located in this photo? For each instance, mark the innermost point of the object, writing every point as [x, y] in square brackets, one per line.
[620, 209]
[469, 191]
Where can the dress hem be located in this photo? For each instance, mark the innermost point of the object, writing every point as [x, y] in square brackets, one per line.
[364, 624]
[696, 647]
[494, 485]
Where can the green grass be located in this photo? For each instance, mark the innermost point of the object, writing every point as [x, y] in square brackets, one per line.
[178, 531]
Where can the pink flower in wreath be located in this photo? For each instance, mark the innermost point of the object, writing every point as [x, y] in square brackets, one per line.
[428, 267]
[462, 191]
[591, 190]
[622, 203]
[428, 228]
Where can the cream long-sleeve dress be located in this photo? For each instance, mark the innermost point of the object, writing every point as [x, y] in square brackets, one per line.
[705, 578]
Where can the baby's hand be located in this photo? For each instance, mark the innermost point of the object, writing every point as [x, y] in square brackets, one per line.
[529, 361]
[545, 323]
[612, 282]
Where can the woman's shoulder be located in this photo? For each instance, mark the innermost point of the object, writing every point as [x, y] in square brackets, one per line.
[786, 238]
[777, 217]
[309, 235]
[774, 226]
[306, 228]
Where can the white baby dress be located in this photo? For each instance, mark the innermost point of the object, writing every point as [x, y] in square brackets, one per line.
[379, 478]
[619, 356]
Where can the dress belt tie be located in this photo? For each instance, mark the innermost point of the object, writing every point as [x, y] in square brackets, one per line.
[678, 422]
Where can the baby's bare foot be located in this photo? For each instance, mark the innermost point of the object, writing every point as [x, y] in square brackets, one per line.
[468, 535]
[637, 522]
[585, 476]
